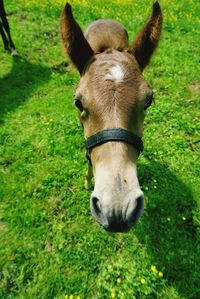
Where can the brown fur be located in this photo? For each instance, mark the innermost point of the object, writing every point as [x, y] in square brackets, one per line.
[105, 103]
[108, 104]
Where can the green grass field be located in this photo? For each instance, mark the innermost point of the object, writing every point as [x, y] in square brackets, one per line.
[50, 246]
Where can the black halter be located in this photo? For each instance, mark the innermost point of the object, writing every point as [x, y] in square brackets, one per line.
[116, 134]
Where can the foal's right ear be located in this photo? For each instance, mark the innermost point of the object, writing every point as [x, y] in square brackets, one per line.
[75, 44]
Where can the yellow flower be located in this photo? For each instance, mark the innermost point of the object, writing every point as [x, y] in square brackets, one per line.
[113, 294]
[184, 218]
[142, 280]
[160, 274]
[78, 297]
[155, 187]
[71, 297]
[119, 280]
[154, 181]
[66, 296]
[154, 269]
[168, 219]
[146, 188]
[122, 295]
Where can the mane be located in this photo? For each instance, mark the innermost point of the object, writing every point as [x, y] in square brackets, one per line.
[103, 35]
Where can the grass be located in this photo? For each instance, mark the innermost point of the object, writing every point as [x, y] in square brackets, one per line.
[50, 245]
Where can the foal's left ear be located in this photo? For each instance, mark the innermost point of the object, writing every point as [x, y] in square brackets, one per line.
[73, 39]
[147, 39]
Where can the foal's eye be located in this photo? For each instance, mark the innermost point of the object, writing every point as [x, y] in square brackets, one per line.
[148, 101]
[78, 104]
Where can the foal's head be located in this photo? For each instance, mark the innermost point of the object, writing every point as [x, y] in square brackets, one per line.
[112, 93]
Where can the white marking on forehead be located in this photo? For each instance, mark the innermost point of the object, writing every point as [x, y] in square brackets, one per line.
[115, 74]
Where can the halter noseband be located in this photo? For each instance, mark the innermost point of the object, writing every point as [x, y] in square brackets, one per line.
[116, 134]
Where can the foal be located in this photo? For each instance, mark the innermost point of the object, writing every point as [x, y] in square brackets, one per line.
[112, 97]
[5, 30]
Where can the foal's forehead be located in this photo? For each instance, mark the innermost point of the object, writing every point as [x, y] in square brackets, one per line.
[115, 66]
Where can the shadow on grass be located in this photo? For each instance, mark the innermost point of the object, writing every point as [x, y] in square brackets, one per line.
[168, 231]
[19, 83]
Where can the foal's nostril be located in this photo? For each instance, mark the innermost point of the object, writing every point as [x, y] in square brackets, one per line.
[133, 214]
[140, 207]
[96, 205]
[97, 212]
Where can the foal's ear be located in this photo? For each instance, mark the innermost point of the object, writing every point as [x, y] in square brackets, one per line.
[147, 39]
[75, 44]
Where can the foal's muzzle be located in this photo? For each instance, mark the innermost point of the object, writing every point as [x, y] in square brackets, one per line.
[118, 220]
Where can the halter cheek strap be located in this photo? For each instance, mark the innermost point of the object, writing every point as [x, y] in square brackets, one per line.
[115, 134]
